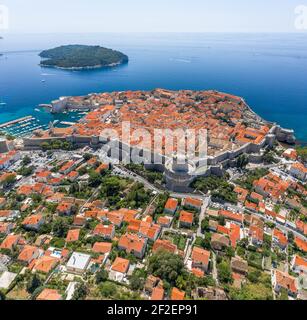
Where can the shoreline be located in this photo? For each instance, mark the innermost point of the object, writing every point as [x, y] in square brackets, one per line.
[83, 68]
[298, 142]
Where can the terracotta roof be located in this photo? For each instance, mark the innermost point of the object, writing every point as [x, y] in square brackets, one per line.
[171, 204]
[186, 217]
[131, 242]
[73, 235]
[193, 202]
[102, 247]
[44, 264]
[49, 294]
[27, 253]
[285, 281]
[200, 256]
[164, 244]
[157, 294]
[301, 244]
[120, 265]
[32, 220]
[10, 241]
[176, 294]
[104, 230]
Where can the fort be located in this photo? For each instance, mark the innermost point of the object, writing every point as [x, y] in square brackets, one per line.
[232, 129]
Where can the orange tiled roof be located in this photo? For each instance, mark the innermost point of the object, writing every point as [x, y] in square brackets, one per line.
[157, 294]
[32, 220]
[120, 265]
[131, 242]
[301, 244]
[102, 247]
[171, 204]
[176, 294]
[200, 255]
[73, 235]
[49, 294]
[186, 217]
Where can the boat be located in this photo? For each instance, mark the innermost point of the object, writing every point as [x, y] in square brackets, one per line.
[43, 80]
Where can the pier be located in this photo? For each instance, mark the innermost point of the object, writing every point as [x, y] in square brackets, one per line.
[9, 123]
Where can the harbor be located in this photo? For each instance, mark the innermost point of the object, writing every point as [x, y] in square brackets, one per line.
[22, 127]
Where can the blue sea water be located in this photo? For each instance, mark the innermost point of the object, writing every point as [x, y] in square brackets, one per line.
[268, 70]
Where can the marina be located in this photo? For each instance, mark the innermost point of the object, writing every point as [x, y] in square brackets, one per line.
[23, 126]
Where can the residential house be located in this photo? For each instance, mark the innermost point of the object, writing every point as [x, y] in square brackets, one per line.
[177, 294]
[119, 269]
[164, 245]
[49, 295]
[256, 235]
[299, 171]
[28, 254]
[78, 263]
[171, 206]
[133, 244]
[165, 221]
[105, 231]
[299, 265]
[11, 241]
[219, 242]
[44, 264]
[65, 208]
[282, 280]
[200, 259]
[102, 247]
[186, 219]
[73, 235]
[279, 239]
[33, 222]
[238, 265]
[157, 294]
[193, 203]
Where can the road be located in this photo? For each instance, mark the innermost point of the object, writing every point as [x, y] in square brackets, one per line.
[202, 215]
[214, 269]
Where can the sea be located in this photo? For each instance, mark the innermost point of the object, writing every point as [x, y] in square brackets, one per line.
[268, 70]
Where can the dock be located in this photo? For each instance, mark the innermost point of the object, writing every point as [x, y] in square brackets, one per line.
[67, 123]
[9, 123]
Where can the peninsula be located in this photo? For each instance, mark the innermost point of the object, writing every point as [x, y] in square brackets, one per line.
[78, 57]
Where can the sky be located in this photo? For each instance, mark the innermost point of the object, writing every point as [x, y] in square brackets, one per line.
[66, 16]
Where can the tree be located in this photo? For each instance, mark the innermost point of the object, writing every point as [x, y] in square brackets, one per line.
[26, 160]
[9, 180]
[60, 228]
[2, 296]
[108, 289]
[166, 265]
[87, 156]
[101, 276]
[80, 292]
[95, 179]
[33, 283]
[224, 272]
[242, 161]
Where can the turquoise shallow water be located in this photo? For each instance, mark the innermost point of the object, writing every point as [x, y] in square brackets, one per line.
[268, 70]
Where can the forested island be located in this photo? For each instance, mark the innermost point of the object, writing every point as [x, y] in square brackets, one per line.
[81, 57]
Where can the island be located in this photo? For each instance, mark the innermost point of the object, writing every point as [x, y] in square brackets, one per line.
[78, 57]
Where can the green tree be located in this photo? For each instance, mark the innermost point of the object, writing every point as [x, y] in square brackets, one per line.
[33, 283]
[60, 228]
[101, 276]
[166, 265]
[224, 272]
[80, 292]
